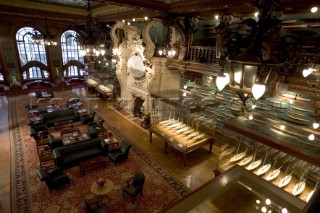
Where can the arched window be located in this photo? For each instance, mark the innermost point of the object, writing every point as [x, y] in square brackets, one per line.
[30, 53]
[73, 71]
[28, 49]
[35, 72]
[71, 52]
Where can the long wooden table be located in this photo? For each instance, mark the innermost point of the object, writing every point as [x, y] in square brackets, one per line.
[181, 142]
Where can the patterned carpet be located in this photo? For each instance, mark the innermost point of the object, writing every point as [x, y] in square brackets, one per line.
[29, 194]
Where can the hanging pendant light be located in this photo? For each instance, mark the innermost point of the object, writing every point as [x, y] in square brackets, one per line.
[222, 80]
[258, 90]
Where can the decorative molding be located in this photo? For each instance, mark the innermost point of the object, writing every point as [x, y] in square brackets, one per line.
[114, 37]
[150, 46]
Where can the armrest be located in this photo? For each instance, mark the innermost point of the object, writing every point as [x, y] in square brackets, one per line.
[57, 153]
[115, 150]
[104, 145]
[42, 174]
[128, 181]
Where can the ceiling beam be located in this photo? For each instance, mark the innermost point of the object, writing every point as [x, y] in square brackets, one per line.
[38, 15]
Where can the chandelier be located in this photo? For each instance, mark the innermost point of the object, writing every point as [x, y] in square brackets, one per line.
[92, 40]
[47, 38]
[250, 71]
[168, 49]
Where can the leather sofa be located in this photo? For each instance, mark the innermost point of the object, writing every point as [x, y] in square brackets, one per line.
[59, 115]
[71, 155]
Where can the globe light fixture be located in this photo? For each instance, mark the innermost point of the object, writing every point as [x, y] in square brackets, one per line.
[258, 90]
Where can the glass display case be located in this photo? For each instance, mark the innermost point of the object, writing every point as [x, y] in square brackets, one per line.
[239, 190]
[285, 171]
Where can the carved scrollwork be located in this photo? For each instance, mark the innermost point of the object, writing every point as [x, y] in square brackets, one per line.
[149, 45]
[114, 37]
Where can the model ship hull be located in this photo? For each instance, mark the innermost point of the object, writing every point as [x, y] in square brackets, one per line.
[310, 195]
[254, 165]
[284, 181]
[245, 161]
[272, 175]
[264, 169]
[298, 188]
[237, 157]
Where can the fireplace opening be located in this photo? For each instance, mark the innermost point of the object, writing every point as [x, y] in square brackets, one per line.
[138, 108]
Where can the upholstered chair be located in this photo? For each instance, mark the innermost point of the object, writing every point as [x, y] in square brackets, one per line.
[88, 118]
[119, 154]
[54, 179]
[95, 207]
[94, 128]
[134, 185]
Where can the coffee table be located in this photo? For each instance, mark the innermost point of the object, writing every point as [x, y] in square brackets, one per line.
[58, 124]
[101, 190]
[92, 164]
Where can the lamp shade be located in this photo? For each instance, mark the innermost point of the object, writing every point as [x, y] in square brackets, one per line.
[258, 90]
[222, 80]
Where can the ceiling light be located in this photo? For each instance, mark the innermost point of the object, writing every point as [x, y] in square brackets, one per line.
[123, 20]
[256, 14]
[315, 125]
[133, 19]
[250, 117]
[216, 17]
[128, 23]
[258, 90]
[311, 137]
[314, 9]
[146, 18]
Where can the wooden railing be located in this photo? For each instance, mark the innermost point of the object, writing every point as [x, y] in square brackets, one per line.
[202, 54]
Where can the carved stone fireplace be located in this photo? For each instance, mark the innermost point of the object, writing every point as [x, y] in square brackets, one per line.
[138, 72]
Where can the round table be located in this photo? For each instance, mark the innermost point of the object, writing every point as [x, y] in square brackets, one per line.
[102, 190]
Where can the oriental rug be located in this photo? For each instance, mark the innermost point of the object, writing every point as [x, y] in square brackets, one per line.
[29, 194]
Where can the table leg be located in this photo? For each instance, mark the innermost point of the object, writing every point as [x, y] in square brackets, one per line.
[210, 148]
[150, 137]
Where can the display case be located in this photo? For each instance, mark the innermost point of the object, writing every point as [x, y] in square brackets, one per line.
[289, 173]
[239, 190]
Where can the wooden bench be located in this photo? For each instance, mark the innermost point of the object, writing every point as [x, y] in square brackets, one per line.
[92, 164]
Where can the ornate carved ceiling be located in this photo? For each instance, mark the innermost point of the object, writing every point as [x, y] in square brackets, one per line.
[74, 11]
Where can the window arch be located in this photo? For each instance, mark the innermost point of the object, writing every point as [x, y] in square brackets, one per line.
[28, 49]
[70, 50]
[32, 55]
